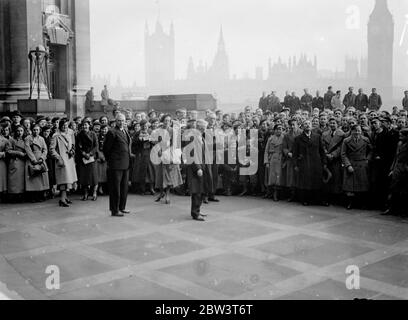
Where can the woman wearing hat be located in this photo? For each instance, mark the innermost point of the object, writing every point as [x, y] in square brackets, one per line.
[37, 151]
[101, 163]
[4, 145]
[62, 149]
[87, 149]
[46, 134]
[168, 174]
[143, 172]
[16, 168]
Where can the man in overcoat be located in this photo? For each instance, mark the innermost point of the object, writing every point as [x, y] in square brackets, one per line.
[332, 142]
[117, 150]
[195, 174]
[310, 160]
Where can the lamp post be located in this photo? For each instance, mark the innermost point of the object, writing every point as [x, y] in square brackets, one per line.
[38, 70]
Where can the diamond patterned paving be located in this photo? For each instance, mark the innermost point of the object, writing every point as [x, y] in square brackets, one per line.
[248, 248]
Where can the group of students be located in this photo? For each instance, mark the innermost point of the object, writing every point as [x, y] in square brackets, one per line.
[344, 156]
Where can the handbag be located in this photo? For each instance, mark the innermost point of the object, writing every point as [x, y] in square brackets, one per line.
[87, 161]
[37, 169]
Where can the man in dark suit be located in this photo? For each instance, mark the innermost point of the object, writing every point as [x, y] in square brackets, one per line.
[374, 100]
[318, 101]
[361, 102]
[350, 98]
[116, 149]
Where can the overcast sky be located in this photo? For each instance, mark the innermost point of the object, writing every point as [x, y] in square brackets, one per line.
[253, 30]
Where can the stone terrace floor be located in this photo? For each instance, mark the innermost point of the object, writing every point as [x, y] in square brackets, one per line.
[248, 248]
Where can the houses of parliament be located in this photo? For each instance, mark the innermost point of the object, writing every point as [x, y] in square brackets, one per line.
[291, 73]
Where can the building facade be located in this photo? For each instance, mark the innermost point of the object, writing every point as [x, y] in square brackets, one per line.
[381, 49]
[62, 27]
[159, 58]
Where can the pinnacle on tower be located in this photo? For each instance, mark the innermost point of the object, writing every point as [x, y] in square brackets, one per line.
[146, 28]
[221, 42]
[172, 29]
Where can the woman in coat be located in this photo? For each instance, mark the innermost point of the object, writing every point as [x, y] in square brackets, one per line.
[16, 166]
[4, 145]
[101, 163]
[143, 171]
[273, 160]
[87, 150]
[62, 149]
[355, 154]
[168, 175]
[37, 151]
[46, 134]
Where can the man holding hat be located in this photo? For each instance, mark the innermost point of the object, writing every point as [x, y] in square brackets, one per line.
[195, 175]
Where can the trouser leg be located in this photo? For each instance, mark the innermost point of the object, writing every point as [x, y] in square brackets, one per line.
[196, 200]
[124, 185]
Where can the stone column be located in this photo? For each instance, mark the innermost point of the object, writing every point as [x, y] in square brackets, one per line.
[81, 43]
[24, 19]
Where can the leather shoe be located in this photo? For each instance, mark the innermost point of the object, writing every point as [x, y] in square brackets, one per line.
[117, 214]
[199, 218]
[125, 211]
[213, 200]
[388, 212]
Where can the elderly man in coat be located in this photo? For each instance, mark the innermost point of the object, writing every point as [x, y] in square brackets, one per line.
[310, 160]
[196, 170]
[117, 150]
[332, 141]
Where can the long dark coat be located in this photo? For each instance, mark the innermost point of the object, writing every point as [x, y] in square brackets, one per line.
[356, 154]
[399, 180]
[309, 158]
[349, 100]
[195, 183]
[143, 170]
[87, 142]
[289, 176]
[379, 168]
[361, 102]
[101, 164]
[332, 143]
[4, 145]
[327, 99]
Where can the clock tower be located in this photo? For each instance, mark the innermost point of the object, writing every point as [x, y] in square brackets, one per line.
[381, 49]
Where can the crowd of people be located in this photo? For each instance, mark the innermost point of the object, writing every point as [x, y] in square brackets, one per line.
[314, 150]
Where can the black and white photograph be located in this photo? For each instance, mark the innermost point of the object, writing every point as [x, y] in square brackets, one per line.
[231, 151]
